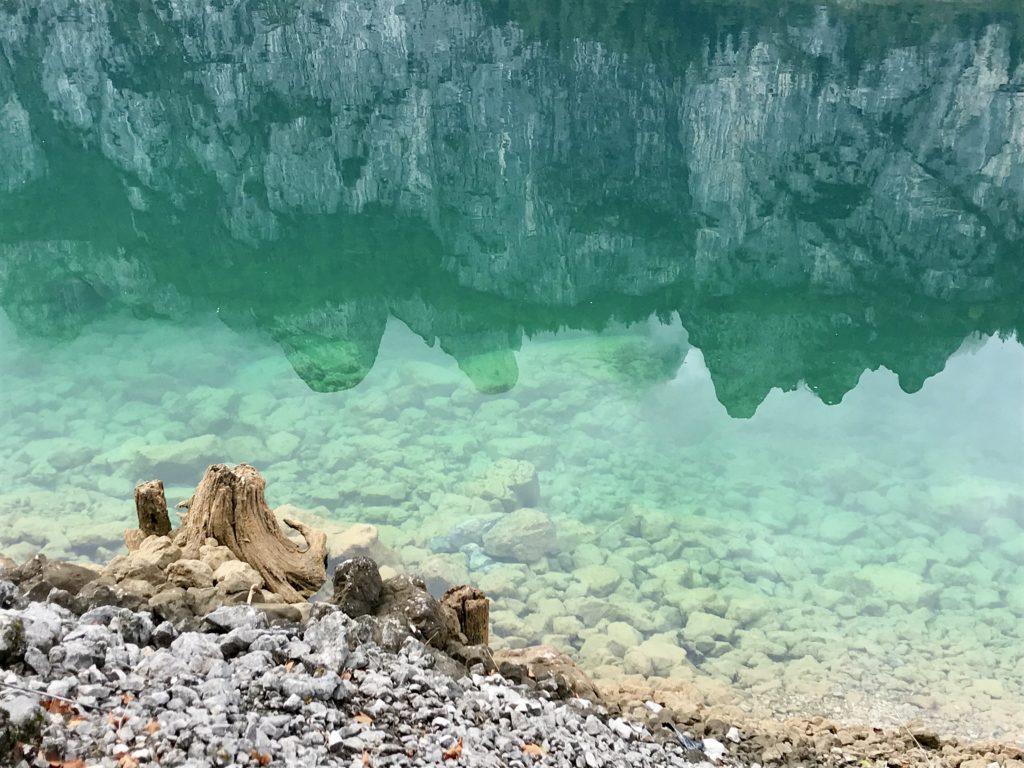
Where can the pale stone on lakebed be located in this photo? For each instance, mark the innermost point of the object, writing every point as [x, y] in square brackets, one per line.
[622, 637]
[600, 580]
[703, 626]
[525, 535]
[841, 527]
[896, 584]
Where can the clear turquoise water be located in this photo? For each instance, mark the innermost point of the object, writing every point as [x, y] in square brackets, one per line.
[745, 292]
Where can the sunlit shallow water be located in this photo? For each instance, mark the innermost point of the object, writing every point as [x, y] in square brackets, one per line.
[740, 285]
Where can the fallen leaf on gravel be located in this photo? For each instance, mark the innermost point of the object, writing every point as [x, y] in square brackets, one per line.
[454, 751]
[127, 761]
[58, 707]
[366, 759]
[260, 757]
[75, 721]
[346, 675]
[127, 698]
[55, 762]
[288, 665]
[363, 718]
[152, 726]
[533, 750]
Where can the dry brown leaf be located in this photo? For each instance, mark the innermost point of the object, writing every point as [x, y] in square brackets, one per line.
[260, 757]
[363, 718]
[75, 721]
[346, 675]
[55, 762]
[152, 726]
[454, 751]
[127, 761]
[535, 751]
[58, 707]
[289, 665]
[366, 759]
[127, 698]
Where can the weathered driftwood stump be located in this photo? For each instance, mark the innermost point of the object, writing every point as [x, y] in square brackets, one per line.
[229, 506]
[151, 507]
[474, 611]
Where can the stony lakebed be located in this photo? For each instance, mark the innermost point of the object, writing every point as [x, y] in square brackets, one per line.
[761, 569]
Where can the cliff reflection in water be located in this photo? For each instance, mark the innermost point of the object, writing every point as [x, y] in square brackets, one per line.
[813, 205]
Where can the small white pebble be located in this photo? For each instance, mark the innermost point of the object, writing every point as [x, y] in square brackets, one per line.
[714, 749]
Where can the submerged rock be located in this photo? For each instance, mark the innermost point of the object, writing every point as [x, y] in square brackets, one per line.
[525, 535]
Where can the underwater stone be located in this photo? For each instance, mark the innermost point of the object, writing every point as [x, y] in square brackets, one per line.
[491, 372]
[839, 528]
[355, 541]
[895, 584]
[512, 482]
[600, 580]
[525, 535]
[663, 654]
[622, 636]
[183, 454]
[283, 444]
[703, 626]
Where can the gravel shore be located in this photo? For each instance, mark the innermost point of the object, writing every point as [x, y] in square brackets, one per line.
[115, 687]
[247, 692]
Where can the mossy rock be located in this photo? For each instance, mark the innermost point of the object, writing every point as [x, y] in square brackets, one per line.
[12, 640]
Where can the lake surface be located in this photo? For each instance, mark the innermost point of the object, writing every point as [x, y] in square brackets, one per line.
[742, 286]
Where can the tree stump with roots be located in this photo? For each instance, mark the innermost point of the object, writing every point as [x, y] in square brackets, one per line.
[229, 505]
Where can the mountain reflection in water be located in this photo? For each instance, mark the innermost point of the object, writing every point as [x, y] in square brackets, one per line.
[811, 203]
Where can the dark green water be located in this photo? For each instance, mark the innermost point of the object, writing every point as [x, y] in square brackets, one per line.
[742, 284]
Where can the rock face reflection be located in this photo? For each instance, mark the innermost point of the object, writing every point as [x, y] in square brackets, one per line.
[811, 206]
